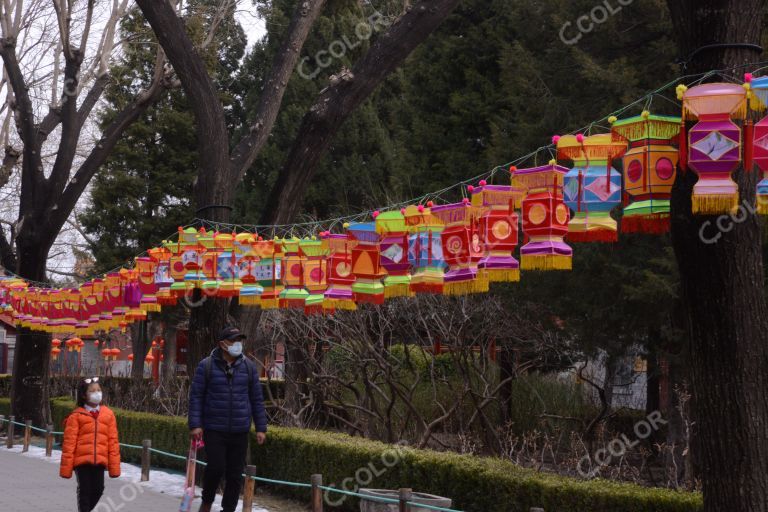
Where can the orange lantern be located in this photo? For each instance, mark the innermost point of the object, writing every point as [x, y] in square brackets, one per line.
[55, 351]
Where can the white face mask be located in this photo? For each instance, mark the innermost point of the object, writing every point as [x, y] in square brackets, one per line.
[235, 349]
[94, 398]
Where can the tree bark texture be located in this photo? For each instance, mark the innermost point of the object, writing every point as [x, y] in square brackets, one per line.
[724, 306]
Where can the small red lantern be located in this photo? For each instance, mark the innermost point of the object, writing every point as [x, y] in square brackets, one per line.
[130, 357]
[55, 353]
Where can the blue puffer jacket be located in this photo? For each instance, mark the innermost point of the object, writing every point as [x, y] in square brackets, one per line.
[225, 403]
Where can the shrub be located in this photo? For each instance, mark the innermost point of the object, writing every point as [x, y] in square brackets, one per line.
[475, 483]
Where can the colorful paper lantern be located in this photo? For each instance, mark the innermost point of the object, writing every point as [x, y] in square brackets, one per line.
[268, 272]
[714, 144]
[759, 88]
[545, 218]
[315, 271]
[649, 168]
[498, 231]
[593, 187]
[366, 264]
[294, 295]
[461, 248]
[393, 230]
[425, 250]
[340, 278]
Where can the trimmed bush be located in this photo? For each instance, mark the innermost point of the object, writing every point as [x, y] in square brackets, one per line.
[475, 483]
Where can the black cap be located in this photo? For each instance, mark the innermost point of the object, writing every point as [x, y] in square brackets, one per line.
[231, 333]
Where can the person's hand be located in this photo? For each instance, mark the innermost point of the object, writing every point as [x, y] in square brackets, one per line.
[261, 437]
[196, 434]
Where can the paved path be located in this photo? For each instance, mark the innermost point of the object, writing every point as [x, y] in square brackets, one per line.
[31, 483]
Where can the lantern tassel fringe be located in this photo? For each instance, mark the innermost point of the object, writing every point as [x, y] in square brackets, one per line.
[655, 224]
[330, 305]
[397, 290]
[714, 204]
[594, 235]
[546, 262]
[436, 288]
[501, 275]
[270, 303]
[470, 286]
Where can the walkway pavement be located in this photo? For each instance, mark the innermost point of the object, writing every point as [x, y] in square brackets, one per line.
[30, 483]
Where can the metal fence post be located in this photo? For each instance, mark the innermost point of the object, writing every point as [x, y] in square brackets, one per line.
[405, 496]
[27, 435]
[48, 440]
[317, 493]
[9, 440]
[146, 444]
[250, 484]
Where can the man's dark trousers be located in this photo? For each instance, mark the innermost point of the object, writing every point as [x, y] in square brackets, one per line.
[225, 454]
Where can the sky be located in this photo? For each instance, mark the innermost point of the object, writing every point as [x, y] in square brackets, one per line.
[42, 27]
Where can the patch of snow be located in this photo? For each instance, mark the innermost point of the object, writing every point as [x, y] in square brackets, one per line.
[162, 482]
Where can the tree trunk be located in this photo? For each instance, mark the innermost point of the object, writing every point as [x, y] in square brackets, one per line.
[724, 304]
[140, 345]
[29, 393]
[31, 362]
[169, 354]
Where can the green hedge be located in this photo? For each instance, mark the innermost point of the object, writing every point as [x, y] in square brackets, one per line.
[475, 483]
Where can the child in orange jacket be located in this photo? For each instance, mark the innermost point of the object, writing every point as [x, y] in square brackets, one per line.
[90, 445]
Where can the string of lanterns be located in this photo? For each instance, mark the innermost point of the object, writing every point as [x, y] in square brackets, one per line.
[450, 249]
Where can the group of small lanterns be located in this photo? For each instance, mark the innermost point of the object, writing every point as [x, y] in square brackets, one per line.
[71, 345]
[449, 249]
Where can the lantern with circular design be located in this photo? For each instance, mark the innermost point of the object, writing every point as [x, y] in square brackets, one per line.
[498, 230]
[340, 278]
[295, 294]
[425, 250]
[545, 218]
[461, 248]
[649, 167]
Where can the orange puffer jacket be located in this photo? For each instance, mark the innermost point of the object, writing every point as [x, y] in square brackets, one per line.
[90, 441]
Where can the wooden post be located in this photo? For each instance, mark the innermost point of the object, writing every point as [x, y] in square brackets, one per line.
[405, 496]
[27, 435]
[2, 422]
[317, 493]
[48, 440]
[250, 484]
[145, 458]
[9, 440]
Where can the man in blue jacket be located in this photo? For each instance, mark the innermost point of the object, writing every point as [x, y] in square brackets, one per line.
[225, 396]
